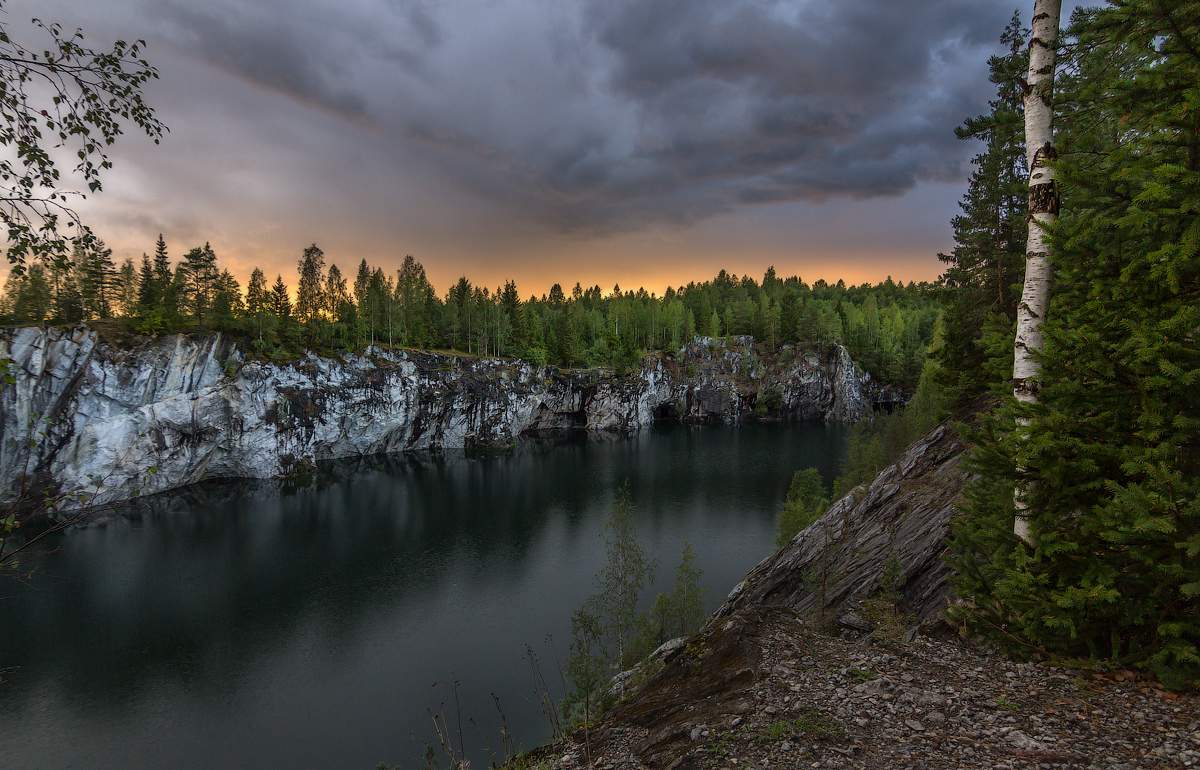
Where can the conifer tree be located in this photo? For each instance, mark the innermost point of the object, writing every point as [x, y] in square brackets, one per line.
[147, 296]
[257, 300]
[97, 276]
[281, 303]
[310, 292]
[336, 295]
[1109, 452]
[32, 302]
[166, 296]
[125, 288]
[989, 235]
[199, 282]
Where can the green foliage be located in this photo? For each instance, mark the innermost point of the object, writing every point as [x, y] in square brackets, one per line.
[875, 444]
[986, 267]
[1109, 455]
[608, 633]
[804, 504]
[811, 724]
[675, 614]
[625, 573]
[82, 100]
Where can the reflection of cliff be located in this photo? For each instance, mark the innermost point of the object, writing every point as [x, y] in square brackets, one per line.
[200, 586]
[83, 416]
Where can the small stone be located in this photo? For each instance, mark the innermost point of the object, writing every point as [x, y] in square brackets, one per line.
[914, 725]
[855, 622]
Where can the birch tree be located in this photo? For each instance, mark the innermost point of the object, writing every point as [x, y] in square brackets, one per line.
[1043, 212]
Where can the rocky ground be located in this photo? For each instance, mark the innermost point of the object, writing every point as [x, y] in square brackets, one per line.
[814, 661]
[763, 689]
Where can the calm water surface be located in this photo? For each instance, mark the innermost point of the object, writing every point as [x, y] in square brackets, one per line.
[243, 624]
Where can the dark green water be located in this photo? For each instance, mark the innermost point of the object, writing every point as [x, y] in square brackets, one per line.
[247, 625]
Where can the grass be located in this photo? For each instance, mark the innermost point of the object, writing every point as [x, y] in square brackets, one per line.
[810, 723]
[1007, 705]
[861, 674]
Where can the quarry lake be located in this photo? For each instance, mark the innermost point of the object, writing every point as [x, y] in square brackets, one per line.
[255, 624]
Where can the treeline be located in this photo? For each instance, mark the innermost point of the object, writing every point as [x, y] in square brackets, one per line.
[886, 327]
[1106, 458]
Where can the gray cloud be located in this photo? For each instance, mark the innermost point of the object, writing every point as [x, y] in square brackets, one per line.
[549, 139]
[609, 115]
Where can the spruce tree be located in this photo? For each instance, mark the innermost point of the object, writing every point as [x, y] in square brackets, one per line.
[32, 302]
[96, 279]
[1110, 454]
[148, 291]
[257, 300]
[166, 297]
[987, 263]
[281, 303]
[125, 288]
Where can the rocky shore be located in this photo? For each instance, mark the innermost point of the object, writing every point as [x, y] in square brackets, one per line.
[766, 689]
[92, 422]
[833, 653]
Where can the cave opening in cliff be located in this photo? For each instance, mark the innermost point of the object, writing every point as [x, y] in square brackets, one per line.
[666, 413]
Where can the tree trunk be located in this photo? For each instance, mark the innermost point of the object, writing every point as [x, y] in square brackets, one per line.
[1043, 211]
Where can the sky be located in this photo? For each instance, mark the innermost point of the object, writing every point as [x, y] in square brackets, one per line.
[600, 141]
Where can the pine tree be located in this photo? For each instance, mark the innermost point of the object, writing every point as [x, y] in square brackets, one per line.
[1109, 454]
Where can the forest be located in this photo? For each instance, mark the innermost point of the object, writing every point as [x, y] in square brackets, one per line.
[886, 327]
[1096, 456]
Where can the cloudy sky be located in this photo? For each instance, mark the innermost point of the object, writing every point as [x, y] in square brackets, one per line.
[649, 142]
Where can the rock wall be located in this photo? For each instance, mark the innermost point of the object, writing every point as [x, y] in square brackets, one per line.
[902, 516]
[100, 423]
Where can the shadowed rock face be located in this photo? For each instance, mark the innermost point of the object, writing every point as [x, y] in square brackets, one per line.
[903, 513]
[105, 423]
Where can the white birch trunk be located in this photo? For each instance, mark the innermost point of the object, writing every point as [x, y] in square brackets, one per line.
[1043, 211]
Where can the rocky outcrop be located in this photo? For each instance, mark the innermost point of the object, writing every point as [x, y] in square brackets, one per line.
[97, 422]
[769, 683]
[898, 523]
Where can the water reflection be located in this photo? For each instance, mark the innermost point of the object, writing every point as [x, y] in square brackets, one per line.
[249, 624]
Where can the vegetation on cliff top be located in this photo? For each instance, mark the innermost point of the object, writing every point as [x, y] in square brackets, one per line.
[886, 326]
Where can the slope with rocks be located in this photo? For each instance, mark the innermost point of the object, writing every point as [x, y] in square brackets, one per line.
[831, 655]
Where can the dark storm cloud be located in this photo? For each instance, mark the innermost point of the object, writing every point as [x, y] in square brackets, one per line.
[310, 52]
[609, 115]
[785, 101]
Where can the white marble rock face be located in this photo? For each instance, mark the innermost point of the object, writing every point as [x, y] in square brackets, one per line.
[102, 424]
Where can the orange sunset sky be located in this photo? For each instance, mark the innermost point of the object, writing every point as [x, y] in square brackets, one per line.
[545, 142]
